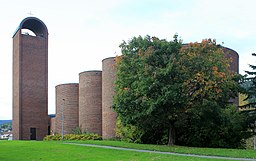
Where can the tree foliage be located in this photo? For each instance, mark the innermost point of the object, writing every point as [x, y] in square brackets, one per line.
[211, 126]
[142, 85]
[251, 83]
[160, 81]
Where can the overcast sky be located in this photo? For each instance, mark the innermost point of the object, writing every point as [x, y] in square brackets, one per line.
[83, 32]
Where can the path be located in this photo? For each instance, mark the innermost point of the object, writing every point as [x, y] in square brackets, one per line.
[159, 152]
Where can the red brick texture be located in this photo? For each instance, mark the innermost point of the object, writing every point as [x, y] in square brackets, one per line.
[108, 114]
[233, 55]
[90, 98]
[16, 123]
[69, 106]
[52, 126]
[30, 86]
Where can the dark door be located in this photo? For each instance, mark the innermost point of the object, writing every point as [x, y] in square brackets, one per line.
[49, 130]
[32, 133]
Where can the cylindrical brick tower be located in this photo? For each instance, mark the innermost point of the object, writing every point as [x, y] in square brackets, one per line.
[108, 114]
[234, 65]
[66, 107]
[90, 102]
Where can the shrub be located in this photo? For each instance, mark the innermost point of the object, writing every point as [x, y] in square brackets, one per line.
[52, 137]
[77, 130]
[128, 133]
[213, 127]
[89, 136]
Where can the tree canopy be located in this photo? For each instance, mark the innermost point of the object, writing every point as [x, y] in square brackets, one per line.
[158, 81]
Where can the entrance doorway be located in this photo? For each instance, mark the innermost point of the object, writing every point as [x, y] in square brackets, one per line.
[32, 133]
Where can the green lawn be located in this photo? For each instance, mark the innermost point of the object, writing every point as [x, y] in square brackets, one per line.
[237, 153]
[49, 151]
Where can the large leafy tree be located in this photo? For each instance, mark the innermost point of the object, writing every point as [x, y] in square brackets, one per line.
[159, 80]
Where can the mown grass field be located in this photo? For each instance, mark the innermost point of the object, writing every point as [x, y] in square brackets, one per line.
[56, 151]
[237, 153]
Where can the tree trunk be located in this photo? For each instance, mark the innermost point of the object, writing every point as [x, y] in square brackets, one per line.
[171, 140]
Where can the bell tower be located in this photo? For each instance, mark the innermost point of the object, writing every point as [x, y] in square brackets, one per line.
[30, 80]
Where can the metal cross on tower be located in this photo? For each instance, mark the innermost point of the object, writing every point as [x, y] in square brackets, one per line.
[30, 13]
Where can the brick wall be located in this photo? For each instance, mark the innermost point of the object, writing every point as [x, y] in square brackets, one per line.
[90, 101]
[30, 85]
[16, 128]
[68, 92]
[234, 65]
[52, 126]
[108, 114]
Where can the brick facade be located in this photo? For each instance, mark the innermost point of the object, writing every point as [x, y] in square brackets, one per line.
[90, 102]
[234, 64]
[108, 114]
[66, 102]
[30, 81]
[52, 126]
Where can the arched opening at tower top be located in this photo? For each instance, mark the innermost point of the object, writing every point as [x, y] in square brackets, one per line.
[27, 32]
[33, 26]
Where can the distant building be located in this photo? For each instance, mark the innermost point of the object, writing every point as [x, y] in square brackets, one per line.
[6, 136]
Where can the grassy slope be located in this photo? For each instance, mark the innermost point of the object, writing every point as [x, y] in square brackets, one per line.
[49, 151]
[239, 153]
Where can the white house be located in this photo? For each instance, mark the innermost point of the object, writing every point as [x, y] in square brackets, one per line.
[6, 135]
